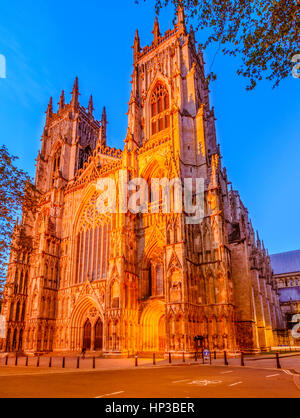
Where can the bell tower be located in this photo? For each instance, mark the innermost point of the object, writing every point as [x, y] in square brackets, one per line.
[69, 138]
[170, 95]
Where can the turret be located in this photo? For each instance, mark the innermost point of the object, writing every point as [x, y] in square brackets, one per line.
[61, 103]
[49, 111]
[180, 15]
[192, 35]
[103, 128]
[91, 106]
[136, 47]
[258, 242]
[156, 31]
[75, 94]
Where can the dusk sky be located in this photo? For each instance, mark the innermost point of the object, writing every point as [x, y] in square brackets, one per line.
[47, 44]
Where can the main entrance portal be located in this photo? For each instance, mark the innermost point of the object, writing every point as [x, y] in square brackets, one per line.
[87, 326]
[154, 328]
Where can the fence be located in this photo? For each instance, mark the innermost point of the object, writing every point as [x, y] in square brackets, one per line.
[212, 358]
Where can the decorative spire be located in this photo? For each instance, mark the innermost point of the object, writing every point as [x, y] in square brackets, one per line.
[136, 46]
[49, 112]
[102, 133]
[180, 14]
[156, 31]
[61, 102]
[258, 241]
[75, 94]
[91, 106]
[192, 35]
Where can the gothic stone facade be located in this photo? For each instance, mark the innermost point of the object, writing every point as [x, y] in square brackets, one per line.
[119, 283]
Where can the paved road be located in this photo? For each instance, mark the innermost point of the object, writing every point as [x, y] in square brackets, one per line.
[171, 382]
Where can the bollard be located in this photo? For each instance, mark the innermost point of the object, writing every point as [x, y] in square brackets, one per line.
[94, 362]
[196, 357]
[215, 355]
[136, 361]
[16, 360]
[6, 360]
[242, 359]
[183, 358]
[225, 358]
[154, 359]
[50, 362]
[26, 364]
[38, 361]
[170, 358]
[78, 362]
[278, 361]
[63, 362]
[210, 360]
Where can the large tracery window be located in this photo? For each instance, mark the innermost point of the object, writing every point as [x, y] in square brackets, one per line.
[155, 285]
[92, 247]
[160, 113]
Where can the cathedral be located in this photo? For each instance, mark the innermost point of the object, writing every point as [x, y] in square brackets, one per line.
[124, 283]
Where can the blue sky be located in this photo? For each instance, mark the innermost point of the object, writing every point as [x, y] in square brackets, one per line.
[47, 44]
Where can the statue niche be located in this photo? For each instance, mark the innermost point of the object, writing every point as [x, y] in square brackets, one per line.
[176, 286]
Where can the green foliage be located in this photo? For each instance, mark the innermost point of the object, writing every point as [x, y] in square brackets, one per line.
[265, 34]
[13, 184]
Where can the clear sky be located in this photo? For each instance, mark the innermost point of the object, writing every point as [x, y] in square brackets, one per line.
[46, 44]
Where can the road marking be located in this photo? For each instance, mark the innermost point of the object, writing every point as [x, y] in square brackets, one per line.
[272, 375]
[109, 394]
[205, 382]
[237, 383]
[227, 372]
[182, 381]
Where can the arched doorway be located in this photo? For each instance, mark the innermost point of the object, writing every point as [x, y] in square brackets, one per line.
[153, 327]
[87, 335]
[86, 326]
[98, 335]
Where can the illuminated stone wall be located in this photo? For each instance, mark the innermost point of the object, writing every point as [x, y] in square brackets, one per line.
[119, 283]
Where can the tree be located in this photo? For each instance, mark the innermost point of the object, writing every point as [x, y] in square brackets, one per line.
[14, 186]
[265, 34]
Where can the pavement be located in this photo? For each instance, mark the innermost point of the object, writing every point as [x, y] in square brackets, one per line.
[176, 381]
[113, 378]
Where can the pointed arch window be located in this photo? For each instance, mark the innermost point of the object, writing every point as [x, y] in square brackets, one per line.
[155, 279]
[56, 164]
[11, 314]
[160, 109]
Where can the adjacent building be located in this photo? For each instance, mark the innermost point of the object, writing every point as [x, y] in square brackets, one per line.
[286, 267]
